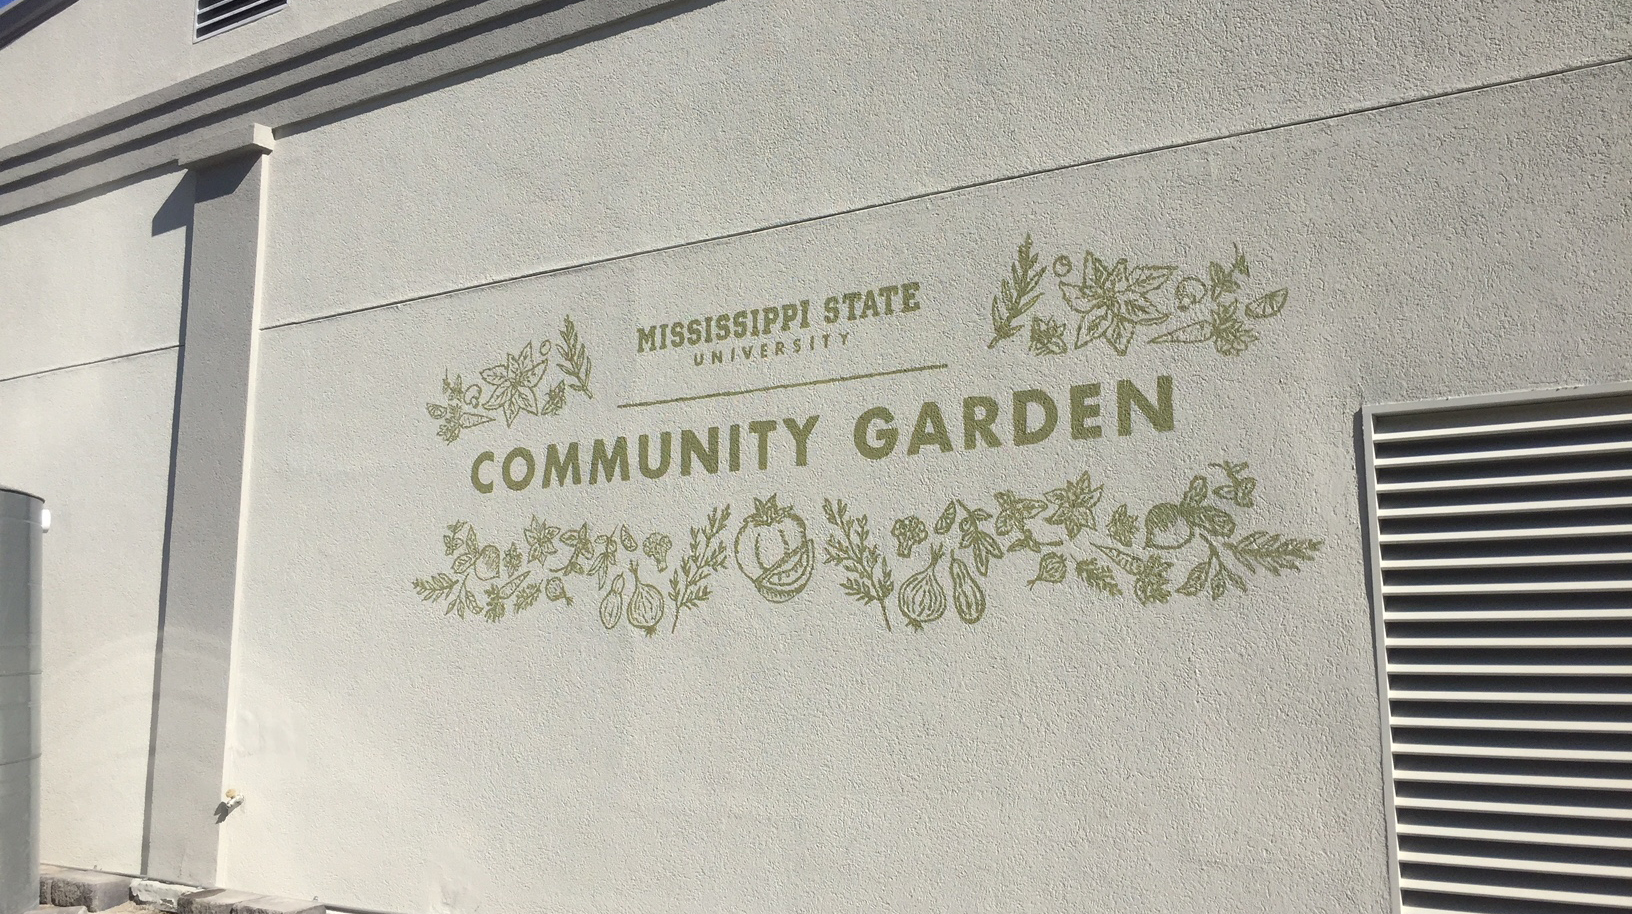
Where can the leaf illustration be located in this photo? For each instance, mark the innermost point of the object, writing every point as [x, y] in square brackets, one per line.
[869, 574]
[465, 604]
[1099, 576]
[1147, 279]
[1273, 552]
[1014, 510]
[1224, 579]
[1196, 580]
[555, 400]
[688, 587]
[1267, 306]
[1210, 519]
[436, 587]
[947, 518]
[1196, 332]
[1047, 337]
[577, 364]
[1150, 583]
[1050, 570]
[1196, 495]
[527, 596]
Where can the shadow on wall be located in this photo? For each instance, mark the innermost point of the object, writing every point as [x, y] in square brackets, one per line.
[176, 212]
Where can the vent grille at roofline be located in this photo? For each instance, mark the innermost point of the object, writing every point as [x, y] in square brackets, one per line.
[1504, 535]
[216, 16]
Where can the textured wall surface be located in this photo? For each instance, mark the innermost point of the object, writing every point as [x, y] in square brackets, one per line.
[97, 53]
[90, 303]
[1288, 210]
[1074, 749]
[94, 442]
[98, 279]
[756, 112]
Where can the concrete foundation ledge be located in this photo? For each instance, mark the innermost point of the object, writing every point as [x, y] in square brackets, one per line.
[67, 891]
[227, 901]
[93, 891]
[162, 895]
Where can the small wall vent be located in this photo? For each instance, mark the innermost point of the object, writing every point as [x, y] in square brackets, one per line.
[1502, 567]
[217, 16]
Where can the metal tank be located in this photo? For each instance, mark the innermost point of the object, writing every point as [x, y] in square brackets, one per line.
[22, 520]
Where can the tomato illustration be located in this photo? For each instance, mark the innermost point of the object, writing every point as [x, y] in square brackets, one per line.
[774, 551]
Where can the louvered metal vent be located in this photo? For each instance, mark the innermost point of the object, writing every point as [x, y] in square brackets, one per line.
[217, 16]
[1502, 549]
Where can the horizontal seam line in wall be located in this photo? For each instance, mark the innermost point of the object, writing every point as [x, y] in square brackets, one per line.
[105, 359]
[960, 188]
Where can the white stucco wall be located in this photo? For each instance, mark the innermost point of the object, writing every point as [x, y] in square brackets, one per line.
[95, 54]
[754, 112]
[94, 442]
[90, 302]
[1069, 752]
[97, 279]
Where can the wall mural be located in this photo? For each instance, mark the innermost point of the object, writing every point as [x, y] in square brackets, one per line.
[1195, 543]
[1132, 555]
[1111, 302]
[513, 386]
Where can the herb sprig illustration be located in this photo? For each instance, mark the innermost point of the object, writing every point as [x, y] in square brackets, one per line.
[849, 548]
[688, 588]
[1017, 295]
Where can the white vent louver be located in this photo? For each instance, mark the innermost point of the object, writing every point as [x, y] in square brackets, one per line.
[217, 16]
[1502, 543]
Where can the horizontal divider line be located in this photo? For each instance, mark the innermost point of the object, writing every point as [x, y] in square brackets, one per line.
[789, 386]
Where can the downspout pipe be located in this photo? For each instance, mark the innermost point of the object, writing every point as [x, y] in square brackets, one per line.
[23, 519]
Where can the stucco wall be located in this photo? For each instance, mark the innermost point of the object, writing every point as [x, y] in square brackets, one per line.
[755, 112]
[90, 299]
[1072, 750]
[95, 54]
[97, 279]
[94, 442]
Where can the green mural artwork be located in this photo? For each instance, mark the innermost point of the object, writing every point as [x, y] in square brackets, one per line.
[1116, 303]
[1193, 545]
[513, 386]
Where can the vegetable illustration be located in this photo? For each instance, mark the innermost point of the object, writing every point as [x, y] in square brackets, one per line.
[556, 590]
[1167, 528]
[908, 531]
[488, 563]
[1196, 545]
[967, 596]
[774, 551]
[657, 548]
[922, 598]
[612, 604]
[645, 607]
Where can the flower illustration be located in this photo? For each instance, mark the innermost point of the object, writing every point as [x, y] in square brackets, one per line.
[514, 383]
[1074, 505]
[1113, 300]
[540, 538]
[1014, 510]
[1230, 335]
[1123, 525]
